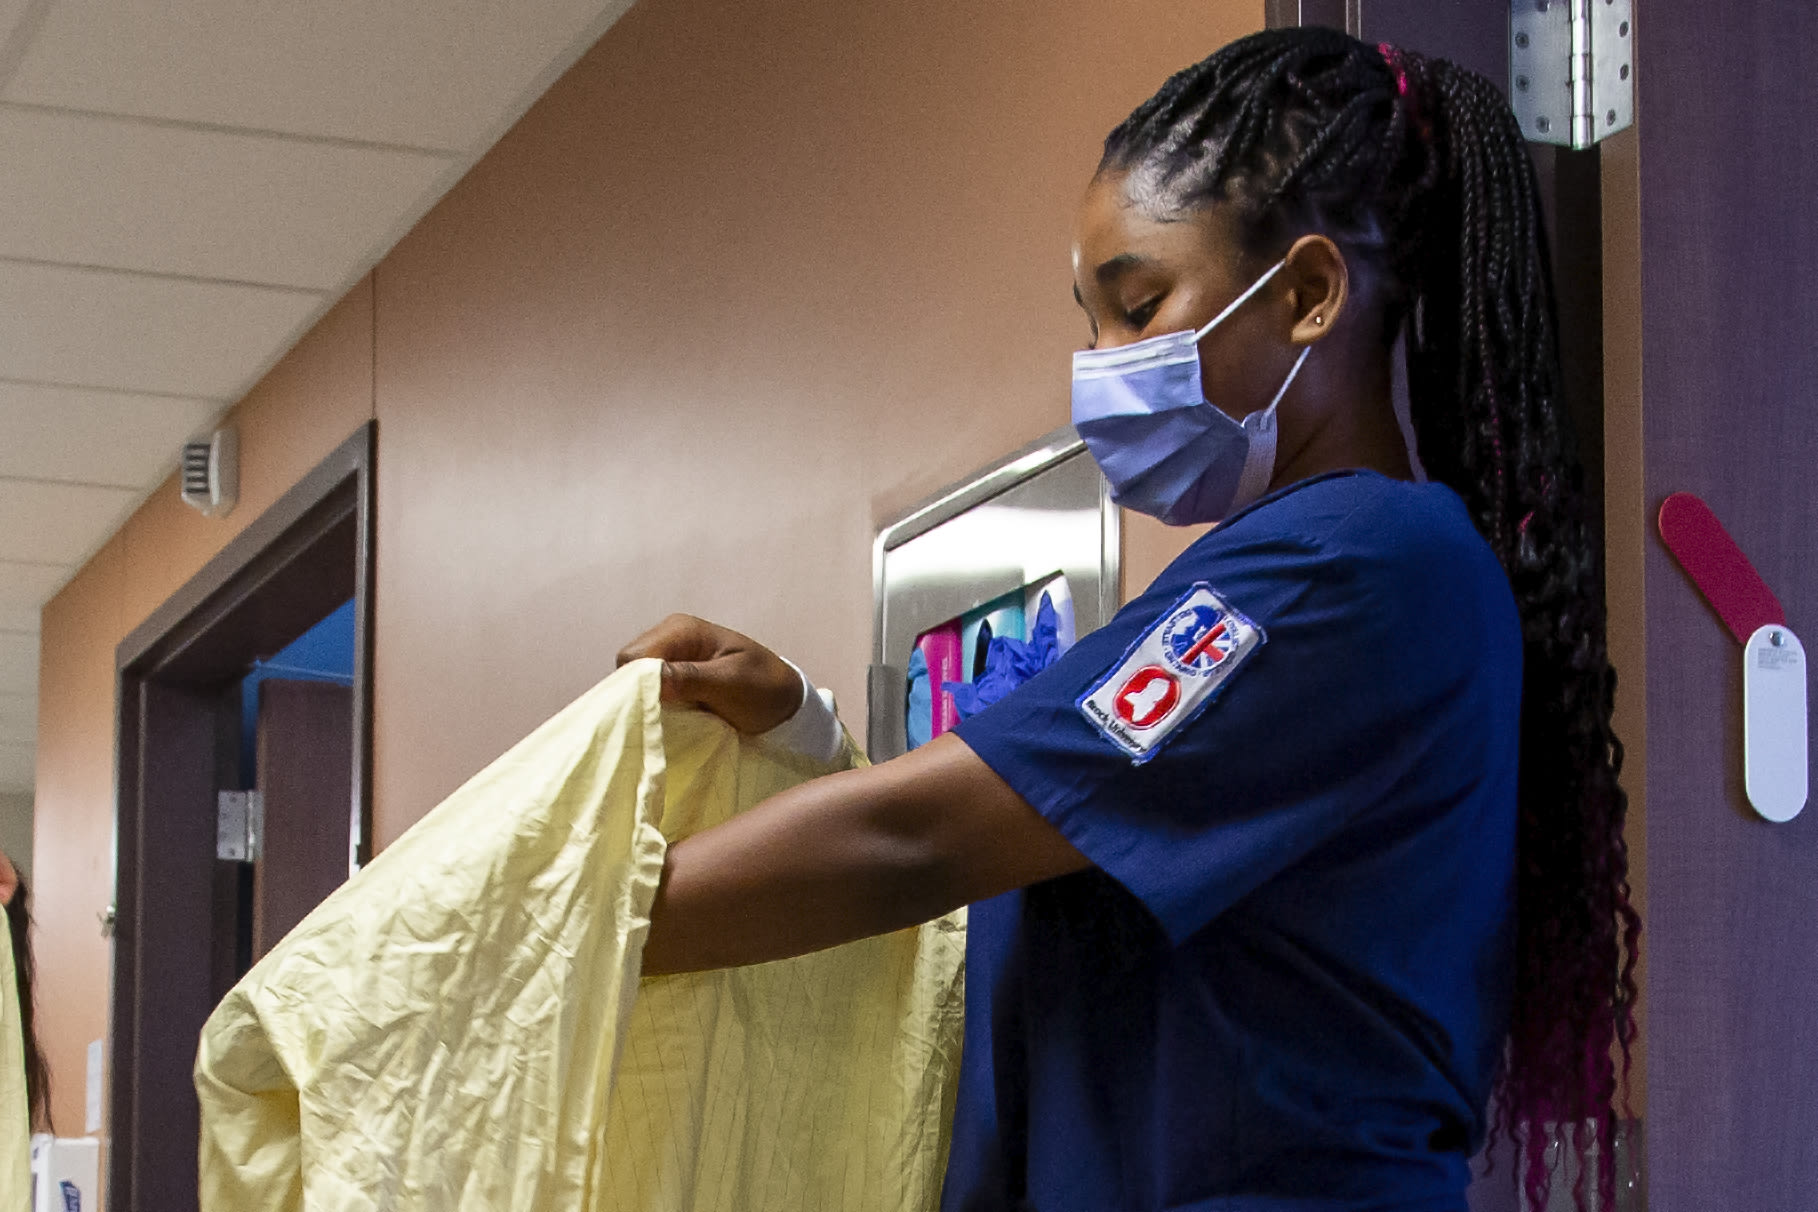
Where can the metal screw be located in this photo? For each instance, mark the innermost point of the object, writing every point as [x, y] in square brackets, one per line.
[1623, 29]
[1612, 117]
[1625, 71]
[1545, 124]
[1521, 40]
[1521, 82]
[1777, 639]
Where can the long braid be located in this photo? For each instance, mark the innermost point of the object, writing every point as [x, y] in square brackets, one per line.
[1417, 167]
[37, 1072]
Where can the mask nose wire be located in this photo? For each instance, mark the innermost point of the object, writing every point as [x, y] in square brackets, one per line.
[1239, 301]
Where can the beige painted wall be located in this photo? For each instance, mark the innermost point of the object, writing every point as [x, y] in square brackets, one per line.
[746, 283]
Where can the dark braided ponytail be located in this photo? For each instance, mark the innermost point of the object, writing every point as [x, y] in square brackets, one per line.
[37, 1073]
[1418, 170]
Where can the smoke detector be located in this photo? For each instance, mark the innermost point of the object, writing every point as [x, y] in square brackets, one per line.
[211, 473]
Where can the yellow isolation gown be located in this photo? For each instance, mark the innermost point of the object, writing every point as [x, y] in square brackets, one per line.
[15, 1115]
[462, 1025]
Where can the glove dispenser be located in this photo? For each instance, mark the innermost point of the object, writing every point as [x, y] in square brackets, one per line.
[974, 563]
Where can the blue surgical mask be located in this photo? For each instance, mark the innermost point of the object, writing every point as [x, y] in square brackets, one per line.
[1168, 452]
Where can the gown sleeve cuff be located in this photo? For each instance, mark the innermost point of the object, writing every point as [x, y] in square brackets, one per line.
[814, 731]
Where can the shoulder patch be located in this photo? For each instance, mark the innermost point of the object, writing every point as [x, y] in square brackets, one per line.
[1172, 671]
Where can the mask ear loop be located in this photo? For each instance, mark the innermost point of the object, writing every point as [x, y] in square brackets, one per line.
[1288, 382]
[1238, 302]
[1254, 482]
[1404, 409]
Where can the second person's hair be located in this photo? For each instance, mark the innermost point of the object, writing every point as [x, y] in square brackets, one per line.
[37, 1072]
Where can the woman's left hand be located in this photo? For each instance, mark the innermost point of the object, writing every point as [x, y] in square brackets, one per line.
[731, 675]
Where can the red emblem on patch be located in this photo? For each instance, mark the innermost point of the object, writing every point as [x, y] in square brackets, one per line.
[1147, 698]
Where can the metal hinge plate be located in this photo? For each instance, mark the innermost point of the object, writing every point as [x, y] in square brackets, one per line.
[239, 826]
[1572, 69]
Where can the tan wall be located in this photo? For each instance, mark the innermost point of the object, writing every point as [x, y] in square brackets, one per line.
[785, 269]
[749, 280]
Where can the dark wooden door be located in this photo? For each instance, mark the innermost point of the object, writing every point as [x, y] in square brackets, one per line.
[1727, 167]
[183, 929]
[168, 939]
[305, 765]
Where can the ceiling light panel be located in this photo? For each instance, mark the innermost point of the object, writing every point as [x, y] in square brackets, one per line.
[166, 335]
[139, 195]
[50, 523]
[15, 769]
[390, 71]
[23, 589]
[21, 617]
[119, 439]
[12, 12]
[18, 719]
[18, 663]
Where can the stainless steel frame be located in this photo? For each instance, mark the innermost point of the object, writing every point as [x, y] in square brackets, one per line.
[1045, 509]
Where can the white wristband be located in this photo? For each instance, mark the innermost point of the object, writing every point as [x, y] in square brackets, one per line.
[814, 730]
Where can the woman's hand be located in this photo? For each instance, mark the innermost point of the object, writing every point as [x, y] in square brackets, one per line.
[731, 675]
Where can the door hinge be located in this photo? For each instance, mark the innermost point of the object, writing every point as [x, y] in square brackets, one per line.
[239, 826]
[1572, 69]
[1338, 14]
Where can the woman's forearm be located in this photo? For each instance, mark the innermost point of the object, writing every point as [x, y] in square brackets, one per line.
[849, 856]
[818, 865]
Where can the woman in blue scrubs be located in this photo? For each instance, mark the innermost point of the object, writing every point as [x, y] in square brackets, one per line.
[1317, 846]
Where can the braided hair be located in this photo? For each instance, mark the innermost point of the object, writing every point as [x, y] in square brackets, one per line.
[37, 1073]
[1417, 169]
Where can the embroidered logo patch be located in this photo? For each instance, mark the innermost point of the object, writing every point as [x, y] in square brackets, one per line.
[1172, 671]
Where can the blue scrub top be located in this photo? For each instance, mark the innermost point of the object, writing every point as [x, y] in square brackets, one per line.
[1285, 982]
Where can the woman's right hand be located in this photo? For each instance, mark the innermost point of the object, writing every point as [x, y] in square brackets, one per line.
[713, 667]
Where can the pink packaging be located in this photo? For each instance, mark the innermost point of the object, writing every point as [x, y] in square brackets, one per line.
[941, 649]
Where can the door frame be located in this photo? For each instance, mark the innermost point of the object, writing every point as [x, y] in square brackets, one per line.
[177, 677]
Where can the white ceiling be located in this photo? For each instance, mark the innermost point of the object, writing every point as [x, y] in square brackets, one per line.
[185, 187]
